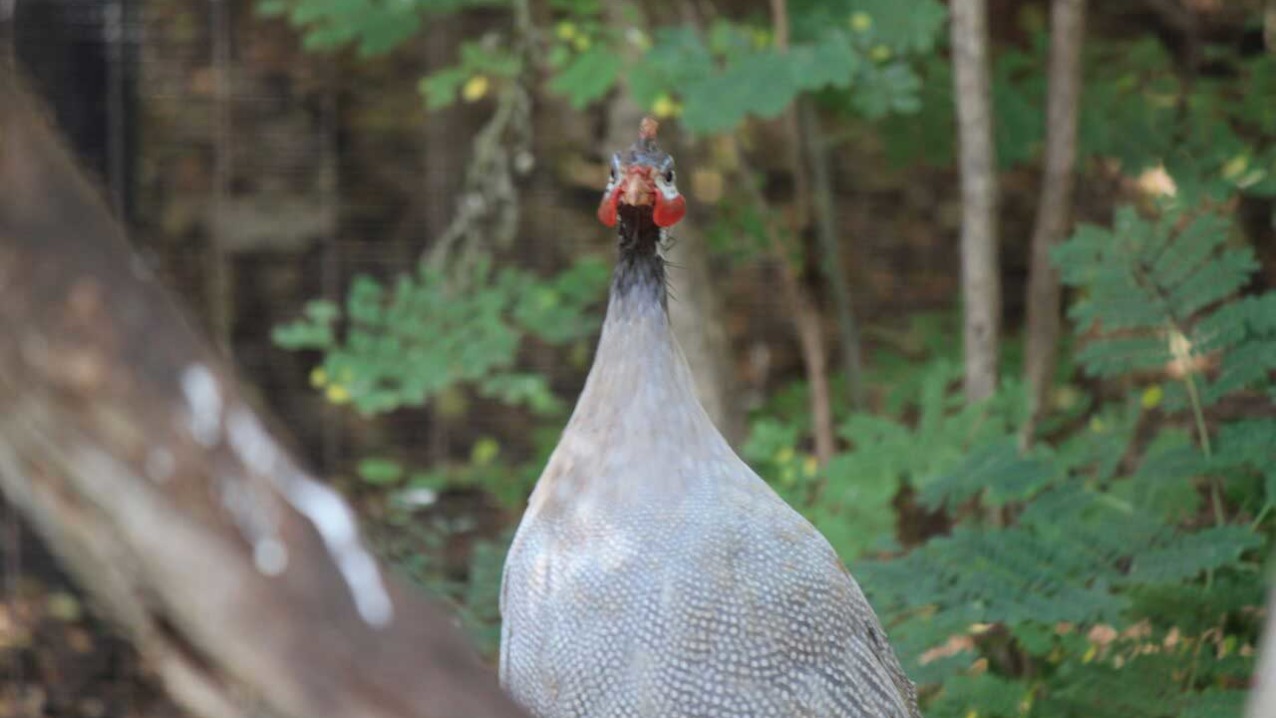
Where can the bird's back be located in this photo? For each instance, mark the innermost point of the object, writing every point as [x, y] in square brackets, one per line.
[718, 601]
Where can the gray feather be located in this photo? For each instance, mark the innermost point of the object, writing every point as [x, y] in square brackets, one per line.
[655, 575]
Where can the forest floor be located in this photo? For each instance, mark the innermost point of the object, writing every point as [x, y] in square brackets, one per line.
[56, 657]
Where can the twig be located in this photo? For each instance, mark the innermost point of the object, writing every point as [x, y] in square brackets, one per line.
[1067, 30]
[831, 261]
[806, 314]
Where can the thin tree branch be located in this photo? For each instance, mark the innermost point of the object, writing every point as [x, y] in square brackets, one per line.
[806, 314]
[1067, 30]
[826, 235]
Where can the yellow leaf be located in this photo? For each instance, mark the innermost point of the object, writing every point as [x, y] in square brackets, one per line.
[484, 451]
[880, 53]
[582, 43]
[1090, 654]
[565, 30]
[475, 88]
[451, 403]
[810, 465]
[318, 377]
[337, 394]
[784, 456]
[1152, 396]
[1096, 425]
[861, 21]
[665, 107]
[1235, 166]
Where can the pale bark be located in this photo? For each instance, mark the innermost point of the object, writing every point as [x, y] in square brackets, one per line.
[806, 319]
[1269, 25]
[1067, 29]
[981, 282]
[128, 446]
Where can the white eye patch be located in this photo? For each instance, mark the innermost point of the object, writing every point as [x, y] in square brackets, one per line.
[667, 188]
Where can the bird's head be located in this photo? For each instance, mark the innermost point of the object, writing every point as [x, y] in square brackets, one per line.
[643, 178]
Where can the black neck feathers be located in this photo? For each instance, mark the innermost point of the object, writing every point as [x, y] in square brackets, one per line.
[640, 270]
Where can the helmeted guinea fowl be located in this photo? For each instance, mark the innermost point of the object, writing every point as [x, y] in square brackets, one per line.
[654, 574]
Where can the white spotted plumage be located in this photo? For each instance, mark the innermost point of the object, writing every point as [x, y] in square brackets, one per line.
[655, 575]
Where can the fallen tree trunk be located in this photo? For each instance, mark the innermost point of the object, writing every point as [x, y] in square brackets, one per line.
[129, 447]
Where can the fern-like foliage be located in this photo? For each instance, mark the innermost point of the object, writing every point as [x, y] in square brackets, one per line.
[849, 500]
[1152, 301]
[1108, 572]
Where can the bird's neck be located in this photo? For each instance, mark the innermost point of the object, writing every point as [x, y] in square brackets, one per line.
[639, 279]
[639, 405]
[638, 360]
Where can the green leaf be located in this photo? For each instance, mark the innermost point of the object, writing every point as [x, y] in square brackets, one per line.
[911, 26]
[830, 62]
[996, 470]
[1190, 554]
[759, 83]
[380, 472]
[588, 76]
[986, 695]
[1214, 703]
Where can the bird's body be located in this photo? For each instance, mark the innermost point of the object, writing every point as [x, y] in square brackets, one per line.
[655, 575]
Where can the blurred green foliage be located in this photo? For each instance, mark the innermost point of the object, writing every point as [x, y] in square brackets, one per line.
[713, 77]
[402, 345]
[1116, 567]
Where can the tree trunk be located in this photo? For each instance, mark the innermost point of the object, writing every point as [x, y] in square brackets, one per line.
[1067, 29]
[826, 234]
[806, 313]
[129, 447]
[981, 283]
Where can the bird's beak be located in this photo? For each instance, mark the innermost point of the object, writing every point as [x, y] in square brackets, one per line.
[637, 190]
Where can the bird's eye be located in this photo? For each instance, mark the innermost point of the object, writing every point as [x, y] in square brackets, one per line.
[615, 168]
[669, 176]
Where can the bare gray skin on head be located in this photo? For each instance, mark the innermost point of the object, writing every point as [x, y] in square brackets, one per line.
[655, 575]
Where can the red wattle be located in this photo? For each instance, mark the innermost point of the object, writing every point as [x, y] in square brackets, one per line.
[668, 212]
[607, 208]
